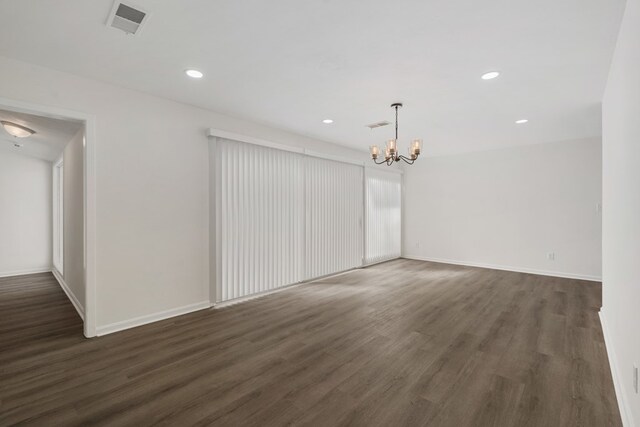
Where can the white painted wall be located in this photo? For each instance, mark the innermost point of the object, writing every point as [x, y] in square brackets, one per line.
[74, 217]
[25, 213]
[508, 208]
[621, 212]
[152, 188]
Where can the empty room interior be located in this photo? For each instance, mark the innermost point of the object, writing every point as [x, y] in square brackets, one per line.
[320, 213]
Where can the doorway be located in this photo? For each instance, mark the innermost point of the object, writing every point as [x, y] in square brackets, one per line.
[72, 217]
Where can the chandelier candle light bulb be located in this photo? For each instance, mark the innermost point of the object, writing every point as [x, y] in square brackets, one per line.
[415, 146]
[391, 145]
[391, 150]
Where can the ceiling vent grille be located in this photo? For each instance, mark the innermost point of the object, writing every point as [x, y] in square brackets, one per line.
[378, 124]
[126, 18]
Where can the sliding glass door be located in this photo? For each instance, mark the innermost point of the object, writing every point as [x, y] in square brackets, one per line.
[333, 222]
[383, 201]
[282, 217]
[260, 214]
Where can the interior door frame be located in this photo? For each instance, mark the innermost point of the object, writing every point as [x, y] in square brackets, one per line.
[58, 215]
[89, 193]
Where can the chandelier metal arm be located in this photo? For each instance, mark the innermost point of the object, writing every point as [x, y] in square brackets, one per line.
[381, 162]
[407, 159]
[391, 160]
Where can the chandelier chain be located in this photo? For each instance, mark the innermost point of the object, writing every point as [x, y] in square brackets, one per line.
[397, 122]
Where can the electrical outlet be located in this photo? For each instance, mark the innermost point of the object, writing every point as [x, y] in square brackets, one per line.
[417, 245]
[635, 378]
[551, 256]
[599, 208]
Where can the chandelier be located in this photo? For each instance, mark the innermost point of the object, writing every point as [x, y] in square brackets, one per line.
[391, 151]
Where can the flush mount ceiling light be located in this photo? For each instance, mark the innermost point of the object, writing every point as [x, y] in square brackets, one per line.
[490, 75]
[391, 152]
[521, 121]
[327, 121]
[194, 74]
[17, 130]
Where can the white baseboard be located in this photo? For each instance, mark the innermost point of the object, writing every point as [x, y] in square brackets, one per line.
[507, 268]
[380, 262]
[25, 272]
[625, 412]
[230, 302]
[76, 303]
[150, 318]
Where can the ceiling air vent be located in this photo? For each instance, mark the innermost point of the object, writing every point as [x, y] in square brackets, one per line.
[126, 18]
[378, 124]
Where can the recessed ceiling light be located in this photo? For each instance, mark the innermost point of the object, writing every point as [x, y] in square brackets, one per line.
[327, 121]
[17, 130]
[521, 121]
[490, 75]
[194, 74]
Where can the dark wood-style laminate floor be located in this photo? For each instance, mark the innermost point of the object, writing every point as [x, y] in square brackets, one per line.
[401, 343]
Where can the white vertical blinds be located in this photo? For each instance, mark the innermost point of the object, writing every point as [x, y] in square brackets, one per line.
[334, 210]
[260, 214]
[383, 200]
[282, 217]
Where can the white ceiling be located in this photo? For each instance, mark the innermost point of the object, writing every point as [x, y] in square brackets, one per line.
[290, 63]
[49, 140]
